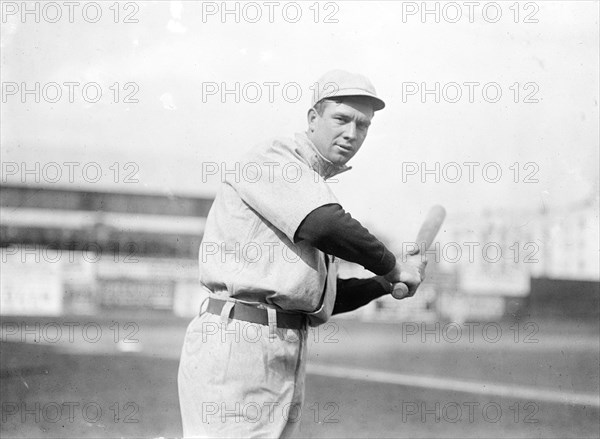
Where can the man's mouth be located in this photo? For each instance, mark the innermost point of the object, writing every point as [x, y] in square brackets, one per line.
[347, 148]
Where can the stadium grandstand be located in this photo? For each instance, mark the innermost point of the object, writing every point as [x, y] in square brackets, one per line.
[76, 220]
[70, 251]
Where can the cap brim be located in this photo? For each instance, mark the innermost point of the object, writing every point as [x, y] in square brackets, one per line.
[378, 104]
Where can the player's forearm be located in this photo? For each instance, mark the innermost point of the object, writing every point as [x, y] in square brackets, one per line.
[354, 293]
[333, 231]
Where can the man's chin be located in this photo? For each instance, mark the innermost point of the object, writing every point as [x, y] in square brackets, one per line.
[340, 160]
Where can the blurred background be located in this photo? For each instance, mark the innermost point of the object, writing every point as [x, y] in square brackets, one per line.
[120, 119]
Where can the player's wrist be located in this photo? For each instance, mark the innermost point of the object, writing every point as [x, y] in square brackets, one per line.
[387, 285]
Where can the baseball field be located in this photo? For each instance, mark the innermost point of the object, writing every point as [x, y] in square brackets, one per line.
[116, 377]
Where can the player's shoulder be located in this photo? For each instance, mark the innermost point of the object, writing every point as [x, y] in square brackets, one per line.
[274, 148]
[279, 143]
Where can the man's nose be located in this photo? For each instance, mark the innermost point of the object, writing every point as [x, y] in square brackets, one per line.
[350, 132]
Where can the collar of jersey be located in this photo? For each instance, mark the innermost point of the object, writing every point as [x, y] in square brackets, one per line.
[320, 164]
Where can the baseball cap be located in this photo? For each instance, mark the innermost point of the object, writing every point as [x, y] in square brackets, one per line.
[337, 83]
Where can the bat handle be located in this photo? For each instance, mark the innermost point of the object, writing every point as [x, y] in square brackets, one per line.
[400, 291]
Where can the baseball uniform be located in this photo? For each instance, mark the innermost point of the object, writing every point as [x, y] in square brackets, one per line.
[244, 379]
[268, 263]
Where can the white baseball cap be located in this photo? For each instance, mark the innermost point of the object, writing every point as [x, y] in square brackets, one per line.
[337, 83]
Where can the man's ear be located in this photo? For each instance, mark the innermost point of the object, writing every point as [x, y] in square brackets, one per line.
[311, 118]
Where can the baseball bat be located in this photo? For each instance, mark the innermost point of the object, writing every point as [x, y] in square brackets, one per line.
[427, 233]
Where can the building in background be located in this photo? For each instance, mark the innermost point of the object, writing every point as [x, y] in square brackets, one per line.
[83, 252]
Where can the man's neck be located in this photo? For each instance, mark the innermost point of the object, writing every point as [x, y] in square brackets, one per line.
[324, 167]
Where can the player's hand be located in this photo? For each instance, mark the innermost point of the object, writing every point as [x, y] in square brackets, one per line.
[407, 275]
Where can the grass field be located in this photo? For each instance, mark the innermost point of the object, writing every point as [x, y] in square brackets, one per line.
[365, 380]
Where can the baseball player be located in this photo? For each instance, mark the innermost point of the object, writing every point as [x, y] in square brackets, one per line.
[268, 263]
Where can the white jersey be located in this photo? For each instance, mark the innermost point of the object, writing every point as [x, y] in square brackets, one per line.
[247, 252]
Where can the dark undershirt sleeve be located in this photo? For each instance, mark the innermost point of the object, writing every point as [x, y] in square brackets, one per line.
[354, 293]
[333, 231]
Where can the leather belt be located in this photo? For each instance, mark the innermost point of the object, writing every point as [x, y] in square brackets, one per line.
[252, 314]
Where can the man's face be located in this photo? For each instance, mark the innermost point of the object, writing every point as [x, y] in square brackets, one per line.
[341, 130]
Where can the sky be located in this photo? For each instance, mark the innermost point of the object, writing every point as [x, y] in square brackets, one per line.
[175, 50]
